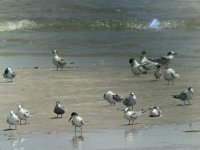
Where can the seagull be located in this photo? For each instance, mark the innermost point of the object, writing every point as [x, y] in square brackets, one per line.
[77, 121]
[59, 61]
[132, 115]
[130, 101]
[154, 111]
[185, 95]
[136, 68]
[146, 63]
[12, 119]
[59, 109]
[22, 114]
[158, 72]
[170, 75]
[112, 97]
[9, 74]
[165, 60]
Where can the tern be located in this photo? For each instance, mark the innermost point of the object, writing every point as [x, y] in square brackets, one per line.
[77, 121]
[185, 95]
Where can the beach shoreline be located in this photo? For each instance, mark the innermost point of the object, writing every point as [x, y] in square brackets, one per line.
[81, 90]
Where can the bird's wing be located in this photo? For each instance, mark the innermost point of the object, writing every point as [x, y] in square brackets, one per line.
[183, 95]
[61, 61]
[134, 114]
[82, 122]
[173, 74]
[161, 60]
[141, 69]
[126, 101]
[117, 98]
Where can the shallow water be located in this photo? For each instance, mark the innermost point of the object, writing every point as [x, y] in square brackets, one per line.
[183, 137]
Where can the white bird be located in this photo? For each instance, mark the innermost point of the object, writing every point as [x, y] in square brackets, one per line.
[59, 109]
[185, 95]
[154, 111]
[22, 113]
[130, 101]
[136, 68]
[58, 61]
[146, 63]
[9, 74]
[112, 97]
[158, 72]
[132, 115]
[77, 121]
[165, 60]
[12, 119]
[170, 75]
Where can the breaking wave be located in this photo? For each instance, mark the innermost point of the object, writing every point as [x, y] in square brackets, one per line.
[18, 25]
[60, 24]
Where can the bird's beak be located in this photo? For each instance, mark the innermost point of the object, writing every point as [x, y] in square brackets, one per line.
[70, 119]
[175, 53]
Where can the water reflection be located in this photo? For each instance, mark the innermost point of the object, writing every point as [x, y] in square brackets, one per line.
[77, 142]
[16, 143]
[157, 137]
[129, 135]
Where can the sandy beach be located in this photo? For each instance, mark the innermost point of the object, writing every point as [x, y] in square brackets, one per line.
[81, 90]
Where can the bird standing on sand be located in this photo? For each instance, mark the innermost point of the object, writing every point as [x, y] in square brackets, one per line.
[154, 111]
[158, 72]
[132, 115]
[112, 97]
[59, 109]
[9, 74]
[130, 101]
[185, 95]
[146, 63]
[165, 60]
[170, 75]
[58, 61]
[12, 119]
[77, 121]
[22, 114]
[136, 68]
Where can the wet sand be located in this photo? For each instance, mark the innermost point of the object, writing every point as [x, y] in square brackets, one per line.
[82, 89]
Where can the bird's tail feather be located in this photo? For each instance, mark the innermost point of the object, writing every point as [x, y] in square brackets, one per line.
[175, 96]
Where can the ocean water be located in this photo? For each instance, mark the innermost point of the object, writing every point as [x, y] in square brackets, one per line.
[166, 137]
[97, 32]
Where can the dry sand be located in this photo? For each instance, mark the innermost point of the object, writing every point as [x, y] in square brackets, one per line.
[82, 89]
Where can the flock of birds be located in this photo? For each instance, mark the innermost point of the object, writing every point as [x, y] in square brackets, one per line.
[143, 67]
[148, 64]
[137, 68]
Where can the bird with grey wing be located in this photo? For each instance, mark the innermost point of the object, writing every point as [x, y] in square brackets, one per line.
[136, 68]
[59, 109]
[165, 60]
[77, 121]
[185, 95]
[58, 61]
[170, 75]
[112, 97]
[147, 63]
[158, 72]
[9, 74]
[22, 114]
[132, 115]
[130, 101]
[154, 111]
[12, 119]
